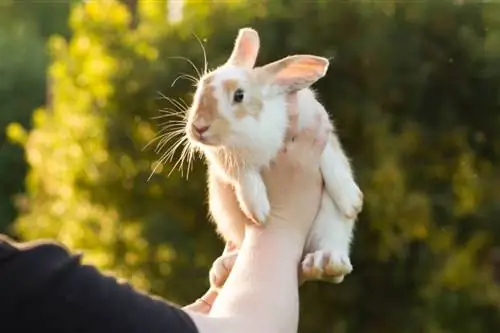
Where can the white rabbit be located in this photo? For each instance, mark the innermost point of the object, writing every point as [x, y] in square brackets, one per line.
[238, 120]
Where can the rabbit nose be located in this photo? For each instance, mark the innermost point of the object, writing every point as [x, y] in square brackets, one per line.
[201, 129]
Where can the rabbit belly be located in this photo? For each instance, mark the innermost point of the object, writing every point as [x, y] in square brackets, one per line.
[225, 210]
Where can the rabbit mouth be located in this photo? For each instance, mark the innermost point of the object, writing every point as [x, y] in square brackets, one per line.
[203, 139]
[207, 140]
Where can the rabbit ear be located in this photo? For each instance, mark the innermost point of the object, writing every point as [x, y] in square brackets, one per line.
[246, 48]
[292, 73]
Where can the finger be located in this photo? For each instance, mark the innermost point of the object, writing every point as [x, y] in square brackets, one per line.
[221, 269]
[293, 116]
[306, 137]
[204, 303]
[321, 139]
[228, 262]
[230, 247]
[210, 296]
[198, 306]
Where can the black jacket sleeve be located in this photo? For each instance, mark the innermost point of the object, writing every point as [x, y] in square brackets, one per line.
[43, 288]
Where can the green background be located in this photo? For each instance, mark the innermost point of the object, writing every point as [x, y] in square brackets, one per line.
[414, 90]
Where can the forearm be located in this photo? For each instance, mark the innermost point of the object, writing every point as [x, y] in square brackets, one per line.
[262, 284]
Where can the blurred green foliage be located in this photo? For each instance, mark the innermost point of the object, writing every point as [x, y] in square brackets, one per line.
[413, 89]
[24, 29]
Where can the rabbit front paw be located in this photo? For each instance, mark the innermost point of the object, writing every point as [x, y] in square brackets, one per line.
[256, 208]
[260, 209]
[252, 195]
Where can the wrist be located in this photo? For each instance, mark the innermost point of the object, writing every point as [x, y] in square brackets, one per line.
[280, 230]
[293, 226]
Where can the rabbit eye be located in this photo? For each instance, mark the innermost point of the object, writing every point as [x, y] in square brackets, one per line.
[238, 96]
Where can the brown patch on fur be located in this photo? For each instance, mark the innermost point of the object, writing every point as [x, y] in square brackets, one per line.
[240, 112]
[251, 106]
[207, 109]
[229, 86]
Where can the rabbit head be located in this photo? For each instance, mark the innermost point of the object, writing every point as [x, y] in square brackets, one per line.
[239, 106]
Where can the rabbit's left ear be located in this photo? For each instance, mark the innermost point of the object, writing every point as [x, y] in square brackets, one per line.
[246, 49]
[292, 73]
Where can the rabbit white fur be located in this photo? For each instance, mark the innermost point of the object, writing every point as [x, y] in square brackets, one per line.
[238, 120]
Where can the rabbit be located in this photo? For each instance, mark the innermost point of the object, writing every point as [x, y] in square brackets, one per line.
[238, 120]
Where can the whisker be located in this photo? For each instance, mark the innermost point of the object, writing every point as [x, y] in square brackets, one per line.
[190, 62]
[161, 95]
[180, 161]
[153, 140]
[170, 153]
[173, 112]
[158, 163]
[187, 158]
[172, 123]
[167, 155]
[171, 126]
[172, 129]
[190, 160]
[183, 102]
[188, 77]
[166, 139]
[172, 115]
[177, 104]
[162, 137]
[174, 102]
[204, 54]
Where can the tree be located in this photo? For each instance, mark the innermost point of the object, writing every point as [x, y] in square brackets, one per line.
[23, 32]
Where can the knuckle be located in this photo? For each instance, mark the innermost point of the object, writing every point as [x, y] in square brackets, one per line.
[308, 131]
[293, 111]
[297, 166]
[321, 142]
[292, 97]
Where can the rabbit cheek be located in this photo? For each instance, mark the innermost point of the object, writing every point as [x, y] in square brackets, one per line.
[240, 112]
[249, 110]
[220, 128]
[254, 107]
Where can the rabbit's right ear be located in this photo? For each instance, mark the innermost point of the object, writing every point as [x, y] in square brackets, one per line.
[292, 73]
[246, 49]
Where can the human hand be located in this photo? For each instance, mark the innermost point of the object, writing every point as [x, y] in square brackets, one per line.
[204, 303]
[294, 182]
[221, 268]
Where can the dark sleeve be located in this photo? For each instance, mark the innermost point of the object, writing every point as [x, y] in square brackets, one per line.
[43, 288]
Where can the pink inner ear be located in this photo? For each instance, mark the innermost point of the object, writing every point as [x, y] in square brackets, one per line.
[244, 52]
[305, 69]
[246, 49]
